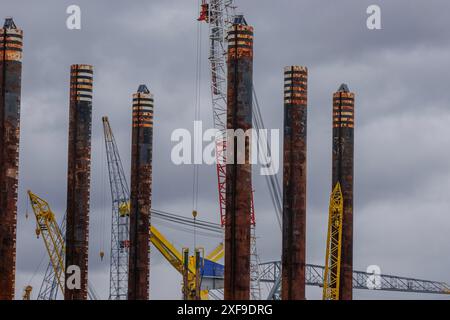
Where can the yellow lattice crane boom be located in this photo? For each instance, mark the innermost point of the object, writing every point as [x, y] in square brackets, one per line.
[47, 227]
[332, 275]
[53, 236]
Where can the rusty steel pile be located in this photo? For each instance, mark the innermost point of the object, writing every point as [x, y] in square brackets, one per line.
[10, 90]
[140, 197]
[342, 172]
[79, 176]
[294, 183]
[238, 173]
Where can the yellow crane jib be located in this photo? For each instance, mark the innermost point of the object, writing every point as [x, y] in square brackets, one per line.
[331, 282]
[177, 260]
[47, 227]
[216, 254]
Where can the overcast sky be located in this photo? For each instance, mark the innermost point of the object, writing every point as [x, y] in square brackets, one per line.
[400, 75]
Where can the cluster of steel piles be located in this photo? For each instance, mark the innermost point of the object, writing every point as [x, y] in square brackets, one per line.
[238, 175]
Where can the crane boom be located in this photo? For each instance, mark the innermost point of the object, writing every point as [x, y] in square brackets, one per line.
[47, 227]
[53, 237]
[120, 194]
[331, 283]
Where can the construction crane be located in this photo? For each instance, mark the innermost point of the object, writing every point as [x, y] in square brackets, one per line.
[219, 14]
[188, 267]
[120, 235]
[47, 227]
[120, 194]
[331, 283]
[53, 237]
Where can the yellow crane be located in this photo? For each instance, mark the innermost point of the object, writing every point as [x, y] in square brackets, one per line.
[177, 260]
[331, 283]
[27, 293]
[47, 227]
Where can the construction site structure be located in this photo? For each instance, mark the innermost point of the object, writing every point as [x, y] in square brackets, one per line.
[140, 196]
[79, 176]
[342, 173]
[239, 168]
[11, 39]
[120, 222]
[294, 183]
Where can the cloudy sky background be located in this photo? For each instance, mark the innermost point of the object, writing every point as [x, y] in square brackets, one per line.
[399, 74]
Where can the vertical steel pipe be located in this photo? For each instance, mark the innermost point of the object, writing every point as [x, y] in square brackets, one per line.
[79, 177]
[343, 150]
[294, 183]
[140, 197]
[10, 90]
[238, 175]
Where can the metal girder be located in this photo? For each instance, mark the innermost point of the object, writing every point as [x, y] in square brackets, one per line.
[271, 272]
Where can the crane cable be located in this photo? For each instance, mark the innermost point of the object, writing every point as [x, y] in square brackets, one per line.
[197, 108]
[271, 180]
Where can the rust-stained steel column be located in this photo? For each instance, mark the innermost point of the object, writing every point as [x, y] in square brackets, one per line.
[10, 90]
[294, 183]
[79, 176]
[343, 140]
[140, 197]
[238, 176]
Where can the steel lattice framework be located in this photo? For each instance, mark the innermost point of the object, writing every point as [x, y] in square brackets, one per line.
[49, 286]
[334, 246]
[120, 194]
[271, 273]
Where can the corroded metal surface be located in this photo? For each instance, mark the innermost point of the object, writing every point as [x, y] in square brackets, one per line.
[140, 197]
[294, 183]
[238, 176]
[343, 141]
[10, 90]
[78, 175]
